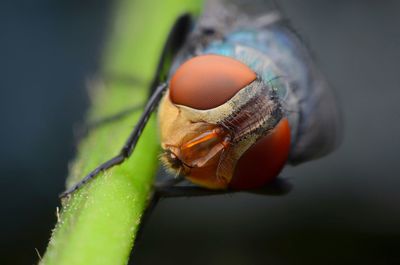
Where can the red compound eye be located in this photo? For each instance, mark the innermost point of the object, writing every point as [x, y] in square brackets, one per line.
[263, 161]
[208, 81]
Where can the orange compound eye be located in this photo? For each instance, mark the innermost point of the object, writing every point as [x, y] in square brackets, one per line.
[208, 81]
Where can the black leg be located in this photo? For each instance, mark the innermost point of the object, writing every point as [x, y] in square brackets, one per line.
[107, 78]
[113, 117]
[277, 188]
[174, 42]
[170, 182]
[187, 191]
[127, 80]
[82, 130]
[145, 217]
[130, 144]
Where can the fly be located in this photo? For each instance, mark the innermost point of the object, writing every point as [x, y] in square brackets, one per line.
[241, 99]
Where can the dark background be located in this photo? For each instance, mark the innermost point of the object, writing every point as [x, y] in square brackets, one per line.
[344, 209]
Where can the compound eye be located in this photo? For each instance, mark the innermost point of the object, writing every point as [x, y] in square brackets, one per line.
[208, 81]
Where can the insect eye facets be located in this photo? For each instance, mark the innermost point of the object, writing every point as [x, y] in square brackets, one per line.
[208, 81]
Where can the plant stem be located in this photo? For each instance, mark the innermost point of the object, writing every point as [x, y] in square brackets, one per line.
[99, 222]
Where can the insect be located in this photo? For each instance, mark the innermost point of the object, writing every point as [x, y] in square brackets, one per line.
[241, 99]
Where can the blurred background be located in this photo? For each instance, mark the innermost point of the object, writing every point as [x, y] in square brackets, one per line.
[344, 209]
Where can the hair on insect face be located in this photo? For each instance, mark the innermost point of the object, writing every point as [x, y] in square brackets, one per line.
[172, 163]
[196, 151]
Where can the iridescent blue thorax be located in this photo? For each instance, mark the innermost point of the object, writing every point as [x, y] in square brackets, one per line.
[254, 34]
[272, 53]
[275, 55]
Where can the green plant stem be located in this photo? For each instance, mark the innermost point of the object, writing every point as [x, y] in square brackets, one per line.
[98, 223]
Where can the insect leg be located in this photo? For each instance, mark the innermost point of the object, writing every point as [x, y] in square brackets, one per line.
[169, 182]
[130, 81]
[174, 42]
[109, 119]
[187, 191]
[278, 187]
[106, 79]
[144, 220]
[130, 144]
[123, 79]
[153, 201]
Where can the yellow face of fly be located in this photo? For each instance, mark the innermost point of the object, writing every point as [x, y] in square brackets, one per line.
[192, 147]
[214, 111]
